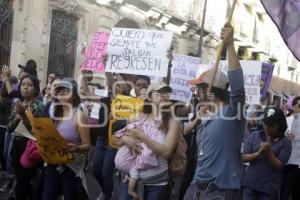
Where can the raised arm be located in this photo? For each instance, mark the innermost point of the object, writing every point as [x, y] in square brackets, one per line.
[227, 37]
[167, 79]
[109, 80]
[85, 90]
[6, 79]
[235, 73]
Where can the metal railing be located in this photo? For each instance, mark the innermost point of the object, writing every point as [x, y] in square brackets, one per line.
[63, 42]
[6, 21]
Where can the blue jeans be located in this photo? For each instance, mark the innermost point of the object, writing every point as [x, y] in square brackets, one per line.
[249, 194]
[2, 139]
[103, 165]
[151, 192]
[211, 192]
[9, 137]
[66, 183]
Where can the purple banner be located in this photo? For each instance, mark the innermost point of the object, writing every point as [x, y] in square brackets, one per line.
[286, 15]
[266, 77]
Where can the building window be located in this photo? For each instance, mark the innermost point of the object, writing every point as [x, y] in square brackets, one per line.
[63, 40]
[6, 21]
[241, 52]
[248, 9]
[254, 56]
[260, 17]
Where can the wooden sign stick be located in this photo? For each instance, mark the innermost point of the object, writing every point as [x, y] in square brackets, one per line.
[220, 49]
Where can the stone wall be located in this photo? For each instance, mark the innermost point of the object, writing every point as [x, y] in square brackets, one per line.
[32, 27]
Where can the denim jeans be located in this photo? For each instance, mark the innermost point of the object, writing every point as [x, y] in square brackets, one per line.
[290, 183]
[103, 165]
[2, 139]
[150, 192]
[9, 137]
[211, 192]
[64, 182]
[249, 194]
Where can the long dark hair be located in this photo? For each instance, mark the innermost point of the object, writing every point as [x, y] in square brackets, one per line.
[166, 116]
[35, 83]
[58, 109]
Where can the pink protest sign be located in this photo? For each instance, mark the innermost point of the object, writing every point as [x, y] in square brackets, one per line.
[95, 53]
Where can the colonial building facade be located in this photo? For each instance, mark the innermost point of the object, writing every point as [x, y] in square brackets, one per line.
[54, 32]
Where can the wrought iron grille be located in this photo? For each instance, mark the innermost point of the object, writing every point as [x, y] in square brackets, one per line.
[6, 20]
[63, 39]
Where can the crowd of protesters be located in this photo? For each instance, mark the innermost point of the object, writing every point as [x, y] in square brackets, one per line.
[221, 150]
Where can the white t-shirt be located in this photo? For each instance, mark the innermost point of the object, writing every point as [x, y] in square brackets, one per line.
[293, 123]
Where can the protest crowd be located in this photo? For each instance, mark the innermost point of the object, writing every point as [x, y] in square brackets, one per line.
[135, 140]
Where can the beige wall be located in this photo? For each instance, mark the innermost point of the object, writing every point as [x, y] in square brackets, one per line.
[32, 26]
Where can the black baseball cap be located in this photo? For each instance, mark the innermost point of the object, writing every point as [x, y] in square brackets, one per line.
[29, 68]
[274, 115]
[67, 83]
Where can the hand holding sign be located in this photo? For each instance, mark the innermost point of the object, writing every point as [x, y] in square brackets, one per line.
[51, 145]
[124, 107]
[73, 148]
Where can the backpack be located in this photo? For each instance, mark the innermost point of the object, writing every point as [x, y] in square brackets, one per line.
[178, 161]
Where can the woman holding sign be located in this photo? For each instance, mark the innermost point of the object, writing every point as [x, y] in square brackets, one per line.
[70, 121]
[158, 116]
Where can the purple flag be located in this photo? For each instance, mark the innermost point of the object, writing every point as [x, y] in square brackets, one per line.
[266, 77]
[286, 15]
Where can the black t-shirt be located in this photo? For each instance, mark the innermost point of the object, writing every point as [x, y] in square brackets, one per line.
[103, 120]
[5, 109]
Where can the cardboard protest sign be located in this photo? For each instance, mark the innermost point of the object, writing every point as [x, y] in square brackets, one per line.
[95, 53]
[252, 76]
[101, 93]
[266, 77]
[51, 144]
[184, 68]
[110, 134]
[95, 111]
[136, 51]
[125, 107]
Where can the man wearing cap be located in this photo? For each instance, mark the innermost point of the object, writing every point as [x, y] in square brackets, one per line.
[267, 151]
[218, 171]
[28, 69]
